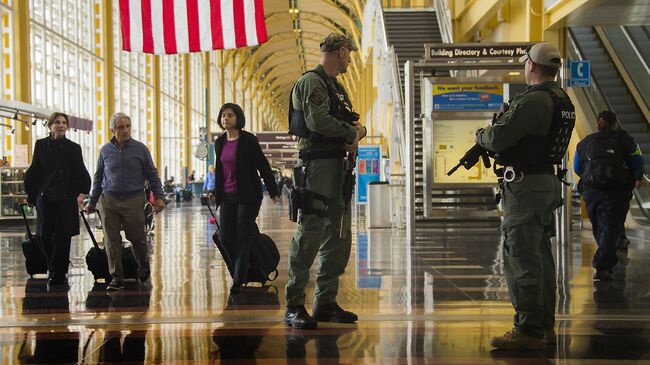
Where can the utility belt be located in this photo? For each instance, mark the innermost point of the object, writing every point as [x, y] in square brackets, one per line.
[517, 173]
[301, 200]
[307, 155]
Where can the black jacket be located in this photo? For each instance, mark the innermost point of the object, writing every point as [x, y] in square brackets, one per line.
[49, 157]
[250, 160]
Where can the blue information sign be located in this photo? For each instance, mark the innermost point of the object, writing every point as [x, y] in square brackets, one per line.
[580, 73]
[367, 169]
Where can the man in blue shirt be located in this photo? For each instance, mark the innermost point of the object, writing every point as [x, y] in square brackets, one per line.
[208, 184]
[610, 165]
[122, 168]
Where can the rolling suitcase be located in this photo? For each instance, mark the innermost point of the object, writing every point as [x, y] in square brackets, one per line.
[97, 260]
[35, 260]
[264, 256]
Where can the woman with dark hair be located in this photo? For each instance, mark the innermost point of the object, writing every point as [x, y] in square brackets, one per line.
[53, 181]
[238, 190]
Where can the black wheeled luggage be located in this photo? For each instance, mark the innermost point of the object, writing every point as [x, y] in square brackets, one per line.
[35, 260]
[97, 260]
[264, 256]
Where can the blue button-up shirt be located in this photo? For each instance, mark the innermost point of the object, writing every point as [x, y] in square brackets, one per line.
[121, 172]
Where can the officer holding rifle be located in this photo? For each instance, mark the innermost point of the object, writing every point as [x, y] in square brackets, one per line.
[529, 141]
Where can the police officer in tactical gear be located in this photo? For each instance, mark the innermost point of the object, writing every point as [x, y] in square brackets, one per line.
[610, 165]
[321, 115]
[523, 138]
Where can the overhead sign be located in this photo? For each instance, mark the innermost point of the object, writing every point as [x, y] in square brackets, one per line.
[367, 169]
[275, 137]
[487, 96]
[280, 148]
[580, 73]
[446, 51]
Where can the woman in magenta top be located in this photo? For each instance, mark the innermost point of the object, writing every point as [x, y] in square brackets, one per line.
[238, 190]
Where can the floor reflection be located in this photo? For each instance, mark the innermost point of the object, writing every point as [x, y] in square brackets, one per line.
[437, 300]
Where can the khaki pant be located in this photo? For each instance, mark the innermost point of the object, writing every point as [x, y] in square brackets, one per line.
[128, 215]
[528, 208]
[319, 236]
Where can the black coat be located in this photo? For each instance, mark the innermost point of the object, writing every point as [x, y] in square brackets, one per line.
[250, 160]
[49, 157]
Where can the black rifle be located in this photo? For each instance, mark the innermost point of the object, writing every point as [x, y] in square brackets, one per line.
[349, 117]
[471, 158]
[348, 188]
[477, 152]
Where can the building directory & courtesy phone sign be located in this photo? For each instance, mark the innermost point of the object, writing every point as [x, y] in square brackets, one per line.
[474, 51]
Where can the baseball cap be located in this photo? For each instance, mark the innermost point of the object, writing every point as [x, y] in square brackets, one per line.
[544, 54]
[334, 41]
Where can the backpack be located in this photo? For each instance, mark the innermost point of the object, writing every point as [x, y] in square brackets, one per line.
[605, 163]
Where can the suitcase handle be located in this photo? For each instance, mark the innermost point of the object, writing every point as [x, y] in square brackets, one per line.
[213, 216]
[22, 210]
[90, 232]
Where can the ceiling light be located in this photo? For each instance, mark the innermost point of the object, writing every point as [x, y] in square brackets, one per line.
[294, 11]
[514, 73]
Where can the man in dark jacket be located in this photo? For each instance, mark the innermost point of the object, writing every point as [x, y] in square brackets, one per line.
[610, 165]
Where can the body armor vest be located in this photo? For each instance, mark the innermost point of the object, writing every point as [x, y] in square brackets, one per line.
[340, 109]
[538, 154]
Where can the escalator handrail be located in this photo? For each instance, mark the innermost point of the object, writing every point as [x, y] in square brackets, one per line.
[635, 45]
[624, 74]
[578, 49]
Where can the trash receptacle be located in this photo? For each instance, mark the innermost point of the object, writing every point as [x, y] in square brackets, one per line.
[378, 205]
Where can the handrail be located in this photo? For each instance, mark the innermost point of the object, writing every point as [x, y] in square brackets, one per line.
[627, 79]
[595, 91]
[444, 21]
[398, 100]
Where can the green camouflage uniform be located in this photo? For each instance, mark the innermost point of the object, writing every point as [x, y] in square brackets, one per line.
[318, 233]
[528, 207]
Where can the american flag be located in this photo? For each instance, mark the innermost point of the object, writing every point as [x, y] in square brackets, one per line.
[182, 26]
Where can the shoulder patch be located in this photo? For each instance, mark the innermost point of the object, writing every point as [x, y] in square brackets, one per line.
[317, 96]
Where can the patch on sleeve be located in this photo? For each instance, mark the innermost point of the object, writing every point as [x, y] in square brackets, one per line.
[317, 96]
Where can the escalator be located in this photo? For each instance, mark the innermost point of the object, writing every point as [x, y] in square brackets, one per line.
[621, 82]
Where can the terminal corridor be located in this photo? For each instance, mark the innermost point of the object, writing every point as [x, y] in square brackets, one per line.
[438, 301]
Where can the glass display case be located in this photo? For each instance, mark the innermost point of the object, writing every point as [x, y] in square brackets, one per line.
[12, 193]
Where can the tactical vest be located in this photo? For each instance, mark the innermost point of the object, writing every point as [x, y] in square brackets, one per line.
[340, 109]
[538, 154]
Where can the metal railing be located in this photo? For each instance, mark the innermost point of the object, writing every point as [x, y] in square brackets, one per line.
[398, 104]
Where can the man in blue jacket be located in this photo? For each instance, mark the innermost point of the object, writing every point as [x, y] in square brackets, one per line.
[610, 165]
[122, 167]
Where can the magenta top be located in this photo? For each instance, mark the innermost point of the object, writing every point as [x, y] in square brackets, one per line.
[229, 161]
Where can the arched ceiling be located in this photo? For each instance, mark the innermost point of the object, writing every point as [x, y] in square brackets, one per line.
[295, 29]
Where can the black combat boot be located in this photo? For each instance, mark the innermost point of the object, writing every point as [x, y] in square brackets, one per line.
[296, 316]
[333, 313]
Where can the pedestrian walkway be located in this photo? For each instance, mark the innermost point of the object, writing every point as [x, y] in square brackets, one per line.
[439, 301]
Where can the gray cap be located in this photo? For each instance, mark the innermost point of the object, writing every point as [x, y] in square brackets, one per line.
[544, 54]
[334, 41]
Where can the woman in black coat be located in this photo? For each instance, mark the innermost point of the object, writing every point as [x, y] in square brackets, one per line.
[55, 178]
[238, 190]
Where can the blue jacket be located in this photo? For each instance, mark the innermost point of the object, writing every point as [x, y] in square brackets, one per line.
[634, 161]
[121, 172]
[208, 184]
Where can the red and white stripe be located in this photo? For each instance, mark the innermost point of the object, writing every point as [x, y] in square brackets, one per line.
[182, 26]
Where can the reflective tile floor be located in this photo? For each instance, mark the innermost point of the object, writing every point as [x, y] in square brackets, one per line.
[438, 301]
